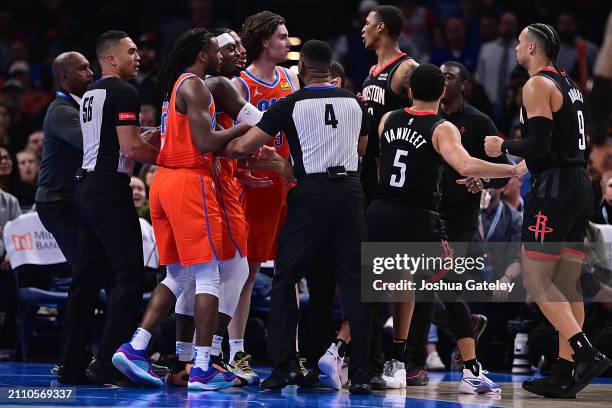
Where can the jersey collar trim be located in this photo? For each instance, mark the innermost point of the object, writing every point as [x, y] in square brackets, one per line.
[259, 81]
[375, 72]
[320, 87]
[422, 113]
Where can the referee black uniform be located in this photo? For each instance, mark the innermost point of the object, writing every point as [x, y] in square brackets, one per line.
[325, 211]
[110, 240]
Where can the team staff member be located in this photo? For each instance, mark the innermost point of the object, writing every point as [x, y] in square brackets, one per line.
[110, 240]
[324, 126]
[63, 153]
[558, 208]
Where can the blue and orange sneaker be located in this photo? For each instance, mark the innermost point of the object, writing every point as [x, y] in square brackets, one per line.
[215, 378]
[135, 365]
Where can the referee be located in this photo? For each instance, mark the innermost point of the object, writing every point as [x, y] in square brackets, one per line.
[325, 127]
[63, 152]
[110, 241]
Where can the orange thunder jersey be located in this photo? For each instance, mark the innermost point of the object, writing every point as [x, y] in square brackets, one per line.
[263, 95]
[177, 148]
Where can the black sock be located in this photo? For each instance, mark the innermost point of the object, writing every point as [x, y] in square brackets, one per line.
[341, 345]
[580, 344]
[472, 365]
[565, 368]
[398, 349]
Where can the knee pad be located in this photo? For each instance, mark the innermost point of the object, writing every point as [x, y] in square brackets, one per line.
[206, 278]
[233, 274]
[185, 303]
[177, 278]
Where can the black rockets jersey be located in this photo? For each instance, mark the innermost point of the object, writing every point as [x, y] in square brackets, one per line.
[381, 99]
[410, 167]
[568, 141]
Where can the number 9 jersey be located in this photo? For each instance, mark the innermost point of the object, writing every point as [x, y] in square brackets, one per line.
[410, 167]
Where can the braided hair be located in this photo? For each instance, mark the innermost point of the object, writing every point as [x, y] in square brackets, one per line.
[257, 29]
[183, 53]
[549, 38]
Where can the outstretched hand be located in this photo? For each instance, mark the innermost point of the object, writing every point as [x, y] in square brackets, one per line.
[473, 184]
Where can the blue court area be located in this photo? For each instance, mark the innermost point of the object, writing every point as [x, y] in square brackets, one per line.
[441, 392]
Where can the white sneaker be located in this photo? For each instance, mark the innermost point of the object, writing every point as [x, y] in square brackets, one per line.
[434, 363]
[394, 374]
[330, 365]
[471, 384]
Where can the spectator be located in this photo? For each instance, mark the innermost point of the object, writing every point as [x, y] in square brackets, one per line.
[457, 48]
[147, 172]
[35, 143]
[511, 194]
[28, 166]
[34, 101]
[488, 28]
[603, 215]
[10, 182]
[576, 55]
[146, 80]
[148, 116]
[595, 177]
[417, 20]
[5, 124]
[497, 59]
[139, 196]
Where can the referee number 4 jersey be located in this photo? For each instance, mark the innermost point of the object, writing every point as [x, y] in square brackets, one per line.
[322, 126]
[108, 103]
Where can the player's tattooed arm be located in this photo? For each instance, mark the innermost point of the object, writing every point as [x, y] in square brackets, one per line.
[400, 82]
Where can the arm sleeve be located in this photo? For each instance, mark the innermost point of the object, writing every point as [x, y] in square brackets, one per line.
[537, 143]
[273, 121]
[126, 104]
[65, 124]
[365, 120]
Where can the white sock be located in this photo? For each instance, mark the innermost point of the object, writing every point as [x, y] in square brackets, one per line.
[184, 351]
[216, 345]
[236, 345]
[202, 357]
[140, 339]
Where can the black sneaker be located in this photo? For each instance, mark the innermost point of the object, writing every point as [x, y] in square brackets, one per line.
[71, 376]
[311, 380]
[99, 373]
[283, 375]
[361, 383]
[552, 386]
[378, 383]
[586, 369]
[416, 376]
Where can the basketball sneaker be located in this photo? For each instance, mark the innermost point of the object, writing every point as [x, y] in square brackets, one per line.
[215, 378]
[394, 374]
[241, 367]
[135, 365]
[330, 365]
[434, 363]
[179, 374]
[477, 384]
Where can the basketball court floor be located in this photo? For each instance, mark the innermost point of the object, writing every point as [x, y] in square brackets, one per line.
[441, 392]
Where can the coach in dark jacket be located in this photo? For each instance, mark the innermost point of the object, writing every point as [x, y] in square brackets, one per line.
[63, 152]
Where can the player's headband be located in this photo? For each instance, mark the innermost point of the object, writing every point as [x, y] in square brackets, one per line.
[224, 39]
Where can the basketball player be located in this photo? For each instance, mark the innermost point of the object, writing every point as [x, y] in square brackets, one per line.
[405, 208]
[184, 210]
[557, 209]
[262, 83]
[233, 266]
[384, 90]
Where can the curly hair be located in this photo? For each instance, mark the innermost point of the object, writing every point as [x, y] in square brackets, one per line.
[257, 29]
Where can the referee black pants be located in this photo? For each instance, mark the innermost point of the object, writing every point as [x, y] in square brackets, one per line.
[325, 220]
[109, 249]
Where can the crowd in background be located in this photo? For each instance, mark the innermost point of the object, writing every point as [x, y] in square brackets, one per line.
[481, 34]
